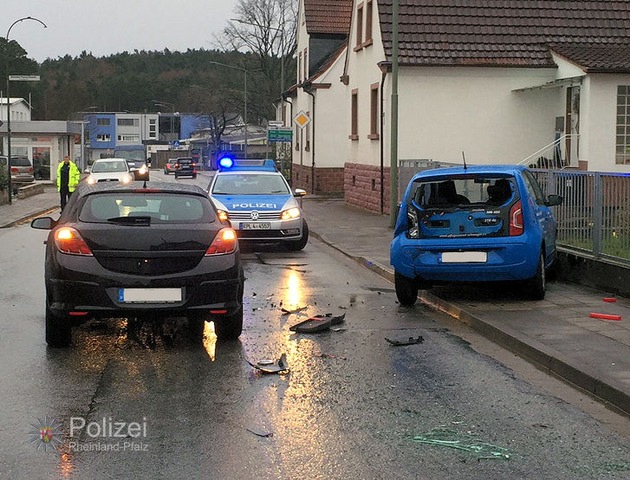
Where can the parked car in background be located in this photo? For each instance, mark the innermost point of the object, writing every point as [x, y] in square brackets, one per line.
[169, 166]
[21, 170]
[109, 170]
[259, 203]
[41, 168]
[128, 251]
[185, 167]
[489, 223]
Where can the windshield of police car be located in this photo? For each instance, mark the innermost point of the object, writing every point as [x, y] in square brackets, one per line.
[250, 184]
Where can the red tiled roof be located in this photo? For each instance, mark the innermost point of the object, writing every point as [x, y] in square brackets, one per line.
[510, 32]
[328, 16]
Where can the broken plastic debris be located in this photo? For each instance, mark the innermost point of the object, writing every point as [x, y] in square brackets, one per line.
[318, 323]
[295, 310]
[274, 367]
[409, 341]
[260, 434]
[605, 316]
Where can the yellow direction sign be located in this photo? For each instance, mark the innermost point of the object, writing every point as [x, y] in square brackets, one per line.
[301, 119]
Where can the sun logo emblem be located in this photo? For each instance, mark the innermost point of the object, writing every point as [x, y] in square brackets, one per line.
[46, 434]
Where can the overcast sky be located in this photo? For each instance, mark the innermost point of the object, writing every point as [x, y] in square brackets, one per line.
[113, 26]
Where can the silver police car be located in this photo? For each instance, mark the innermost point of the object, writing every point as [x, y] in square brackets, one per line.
[259, 203]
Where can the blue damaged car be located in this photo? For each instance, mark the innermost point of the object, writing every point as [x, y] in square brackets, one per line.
[490, 223]
[259, 203]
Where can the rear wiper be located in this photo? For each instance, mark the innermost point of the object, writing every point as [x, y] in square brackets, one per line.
[139, 220]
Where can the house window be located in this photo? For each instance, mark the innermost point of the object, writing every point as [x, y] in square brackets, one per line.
[622, 150]
[104, 137]
[104, 122]
[373, 135]
[354, 112]
[127, 122]
[305, 65]
[359, 37]
[129, 138]
[299, 69]
[368, 22]
[152, 129]
[296, 135]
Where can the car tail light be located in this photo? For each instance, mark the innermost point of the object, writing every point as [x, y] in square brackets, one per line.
[224, 242]
[516, 219]
[69, 241]
[413, 229]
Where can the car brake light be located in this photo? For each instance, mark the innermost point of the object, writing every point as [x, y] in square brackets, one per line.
[516, 219]
[224, 242]
[69, 241]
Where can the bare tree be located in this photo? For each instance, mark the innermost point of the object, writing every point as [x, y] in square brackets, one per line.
[266, 28]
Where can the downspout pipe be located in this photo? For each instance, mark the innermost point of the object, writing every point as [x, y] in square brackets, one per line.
[285, 99]
[382, 147]
[308, 88]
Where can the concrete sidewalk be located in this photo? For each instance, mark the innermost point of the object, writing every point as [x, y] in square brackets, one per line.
[556, 334]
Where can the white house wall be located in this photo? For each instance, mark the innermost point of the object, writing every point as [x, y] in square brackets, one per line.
[444, 111]
[598, 125]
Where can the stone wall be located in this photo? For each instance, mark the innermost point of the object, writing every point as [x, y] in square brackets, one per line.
[328, 181]
[362, 187]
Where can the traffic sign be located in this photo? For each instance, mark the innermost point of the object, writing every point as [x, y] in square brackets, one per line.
[24, 78]
[302, 119]
[279, 135]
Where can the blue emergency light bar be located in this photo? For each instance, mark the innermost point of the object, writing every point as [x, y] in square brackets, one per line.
[228, 163]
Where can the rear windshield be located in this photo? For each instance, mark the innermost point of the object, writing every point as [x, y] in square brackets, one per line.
[154, 207]
[20, 162]
[452, 192]
[250, 184]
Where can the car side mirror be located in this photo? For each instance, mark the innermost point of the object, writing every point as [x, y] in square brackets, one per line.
[298, 192]
[43, 223]
[553, 200]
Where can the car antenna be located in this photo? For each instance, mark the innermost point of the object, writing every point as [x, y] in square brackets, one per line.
[464, 158]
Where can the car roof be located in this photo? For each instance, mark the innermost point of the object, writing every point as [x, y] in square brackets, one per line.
[162, 187]
[471, 170]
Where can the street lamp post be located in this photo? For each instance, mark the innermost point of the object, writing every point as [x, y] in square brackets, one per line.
[244, 96]
[9, 101]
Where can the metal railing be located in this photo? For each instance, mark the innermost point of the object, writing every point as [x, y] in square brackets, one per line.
[550, 156]
[594, 216]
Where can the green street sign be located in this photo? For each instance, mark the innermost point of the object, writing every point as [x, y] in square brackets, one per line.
[279, 135]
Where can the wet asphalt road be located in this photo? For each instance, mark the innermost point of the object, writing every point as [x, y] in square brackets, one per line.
[351, 405]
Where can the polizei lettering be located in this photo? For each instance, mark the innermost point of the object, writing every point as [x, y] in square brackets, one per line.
[253, 205]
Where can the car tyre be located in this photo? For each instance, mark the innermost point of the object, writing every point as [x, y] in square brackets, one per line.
[58, 330]
[406, 290]
[229, 327]
[301, 243]
[535, 287]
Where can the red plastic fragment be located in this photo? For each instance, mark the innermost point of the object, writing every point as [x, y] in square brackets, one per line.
[610, 299]
[605, 316]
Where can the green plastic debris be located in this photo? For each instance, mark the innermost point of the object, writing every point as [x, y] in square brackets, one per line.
[441, 437]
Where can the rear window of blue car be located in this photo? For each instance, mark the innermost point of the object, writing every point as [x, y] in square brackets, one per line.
[157, 207]
[469, 190]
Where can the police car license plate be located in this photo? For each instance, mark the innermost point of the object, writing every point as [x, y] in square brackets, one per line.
[255, 226]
